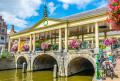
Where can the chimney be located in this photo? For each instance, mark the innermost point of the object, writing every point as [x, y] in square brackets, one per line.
[12, 28]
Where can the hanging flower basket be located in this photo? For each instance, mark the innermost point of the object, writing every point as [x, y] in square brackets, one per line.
[14, 47]
[75, 44]
[111, 41]
[44, 46]
[25, 47]
[114, 14]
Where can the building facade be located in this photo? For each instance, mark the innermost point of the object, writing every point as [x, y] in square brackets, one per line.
[86, 26]
[3, 34]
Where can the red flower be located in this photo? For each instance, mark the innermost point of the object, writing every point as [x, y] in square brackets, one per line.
[117, 15]
[107, 12]
[108, 20]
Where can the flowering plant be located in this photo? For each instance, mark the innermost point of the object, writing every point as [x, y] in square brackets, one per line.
[75, 43]
[44, 46]
[14, 48]
[114, 13]
[25, 47]
[110, 41]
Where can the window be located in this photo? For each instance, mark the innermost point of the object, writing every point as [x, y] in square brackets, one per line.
[2, 39]
[2, 30]
[0, 23]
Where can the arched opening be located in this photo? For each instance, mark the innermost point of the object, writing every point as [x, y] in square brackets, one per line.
[20, 62]
[44, 62]
[80, 66]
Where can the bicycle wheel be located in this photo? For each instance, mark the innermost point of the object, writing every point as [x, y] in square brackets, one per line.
[111, 75]
[102, 73]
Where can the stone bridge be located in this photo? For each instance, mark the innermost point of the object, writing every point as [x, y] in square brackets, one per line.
[68, 63]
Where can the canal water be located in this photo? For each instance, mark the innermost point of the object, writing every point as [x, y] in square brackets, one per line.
[44, 75]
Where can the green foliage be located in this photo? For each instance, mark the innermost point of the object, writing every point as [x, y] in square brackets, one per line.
[102, 46]
[37, 44]
[4, 56]
[45, 40]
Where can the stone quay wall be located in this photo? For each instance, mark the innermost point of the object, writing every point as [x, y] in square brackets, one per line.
[7, 63]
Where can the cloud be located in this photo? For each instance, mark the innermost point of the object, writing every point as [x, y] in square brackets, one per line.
[51, 7]
[65, 6]
[8, 31]
[16, 11]
[102, 3]
[80, 3]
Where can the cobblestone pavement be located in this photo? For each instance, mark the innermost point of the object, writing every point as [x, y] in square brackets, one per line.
[117, 71]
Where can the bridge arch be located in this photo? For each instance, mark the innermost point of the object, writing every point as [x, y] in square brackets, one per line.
[77, 63]
[20, 61]
[44, 61]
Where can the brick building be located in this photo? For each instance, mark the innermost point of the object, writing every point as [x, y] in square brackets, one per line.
[3, 34]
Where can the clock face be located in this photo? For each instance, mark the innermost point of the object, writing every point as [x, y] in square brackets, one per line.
[45, 23]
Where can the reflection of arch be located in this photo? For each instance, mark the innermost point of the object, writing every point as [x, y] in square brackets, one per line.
[44, 61]
[80, 63]
[20, 62]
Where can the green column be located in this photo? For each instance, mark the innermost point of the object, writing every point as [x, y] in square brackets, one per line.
[97, 67]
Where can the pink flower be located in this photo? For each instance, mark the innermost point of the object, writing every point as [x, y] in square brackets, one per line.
[44, 46]
[75, 43]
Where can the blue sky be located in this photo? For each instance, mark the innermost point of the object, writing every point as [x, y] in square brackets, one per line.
[25, 13]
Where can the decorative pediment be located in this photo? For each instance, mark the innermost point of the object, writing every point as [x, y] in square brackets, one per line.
[46, 22]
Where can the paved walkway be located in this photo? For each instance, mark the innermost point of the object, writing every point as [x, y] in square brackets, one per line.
[117, 71]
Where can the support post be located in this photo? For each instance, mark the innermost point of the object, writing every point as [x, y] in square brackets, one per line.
[92, 43]
[105, 33]
[110, 26]
[92, 29]
[96, 38]
[60, 39]
[30, 48]
[55, 71]
[55, 38]
[34, 41]
[9, 47]
[77, 32]
[24, 67]
[82, 37]
[66, 39]
[88, 29]
[19, 40]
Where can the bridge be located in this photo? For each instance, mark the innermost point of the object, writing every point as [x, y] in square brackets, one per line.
[68, 63]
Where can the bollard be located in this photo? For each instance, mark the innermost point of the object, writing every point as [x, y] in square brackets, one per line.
[55, 71]
[24, 67]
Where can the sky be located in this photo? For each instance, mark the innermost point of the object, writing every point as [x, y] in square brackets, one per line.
[26, 13]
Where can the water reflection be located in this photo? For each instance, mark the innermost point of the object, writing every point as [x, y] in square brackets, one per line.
[17, 75]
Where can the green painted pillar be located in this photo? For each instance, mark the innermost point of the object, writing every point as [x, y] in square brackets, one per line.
[52, 46]
[85, 45]
[97, 67]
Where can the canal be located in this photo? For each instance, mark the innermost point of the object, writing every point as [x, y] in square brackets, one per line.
[44, 75]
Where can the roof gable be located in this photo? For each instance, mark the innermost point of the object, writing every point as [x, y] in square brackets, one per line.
[46, 21]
